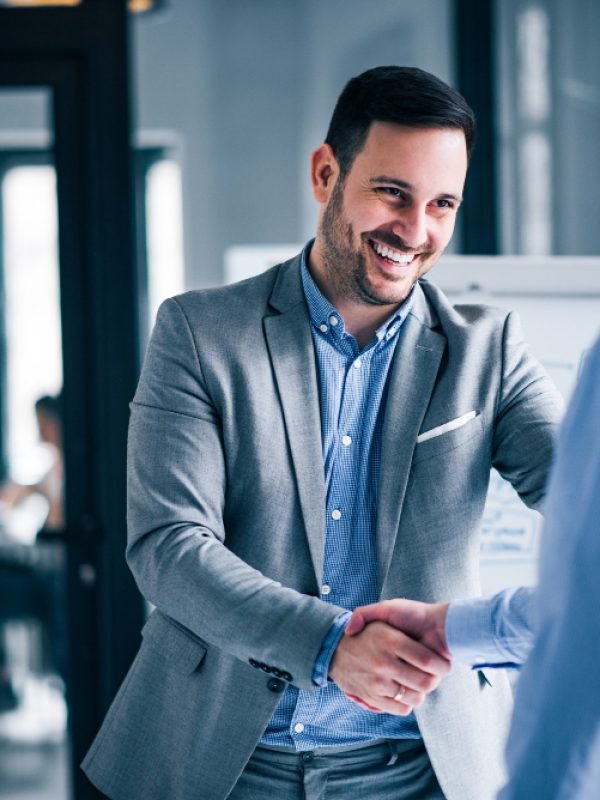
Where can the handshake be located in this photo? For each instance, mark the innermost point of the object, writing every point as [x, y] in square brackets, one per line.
[392, 655]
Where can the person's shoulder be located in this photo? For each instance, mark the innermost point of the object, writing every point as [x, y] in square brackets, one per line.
[588, 384]
[592, 358]
[254, 288]
[461, 315]
[244, 300]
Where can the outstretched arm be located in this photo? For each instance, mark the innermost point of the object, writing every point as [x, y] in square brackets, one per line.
[423, 622]
[495, 631]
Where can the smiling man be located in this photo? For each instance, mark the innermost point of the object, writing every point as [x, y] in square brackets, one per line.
[386, 222]
[309, 441]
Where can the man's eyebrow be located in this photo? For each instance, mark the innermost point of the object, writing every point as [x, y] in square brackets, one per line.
[406, 185]
[393, 181]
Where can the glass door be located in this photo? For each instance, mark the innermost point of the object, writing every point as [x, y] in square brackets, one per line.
[34, 624]
[70, 614]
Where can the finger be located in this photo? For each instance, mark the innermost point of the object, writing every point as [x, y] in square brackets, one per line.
[402, 709]
[376, 612]
[420, 656]
[356, 624]
[396, 693]
[362, 704]
[409, 697]
[365, 614]
[390, 698]
[387, 705]
[414, 679]
[383, 705]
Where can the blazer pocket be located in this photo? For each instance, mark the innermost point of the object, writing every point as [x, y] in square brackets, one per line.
[176, 644]
[446, 427]
[448, 440]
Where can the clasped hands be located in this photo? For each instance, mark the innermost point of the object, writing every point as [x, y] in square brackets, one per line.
[392, 655]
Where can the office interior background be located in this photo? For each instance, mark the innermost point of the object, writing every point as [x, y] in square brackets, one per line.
[141, 145]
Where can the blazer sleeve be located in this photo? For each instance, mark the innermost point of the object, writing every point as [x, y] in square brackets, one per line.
[528, 415]
[176, 537]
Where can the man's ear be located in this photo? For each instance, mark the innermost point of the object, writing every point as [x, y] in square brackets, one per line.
[324, 171]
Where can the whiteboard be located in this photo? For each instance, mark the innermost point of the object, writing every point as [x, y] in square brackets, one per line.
[558, 300]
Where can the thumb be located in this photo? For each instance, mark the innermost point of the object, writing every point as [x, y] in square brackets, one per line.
[357, 623]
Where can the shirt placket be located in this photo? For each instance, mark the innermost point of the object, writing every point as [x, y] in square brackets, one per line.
[341, 587]
[339, 501]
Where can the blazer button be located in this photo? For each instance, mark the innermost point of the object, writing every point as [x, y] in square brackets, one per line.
[275, 685]
[265, 668]
[254, 663]
[287, 676]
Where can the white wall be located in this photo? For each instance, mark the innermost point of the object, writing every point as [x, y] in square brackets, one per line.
[247, 89]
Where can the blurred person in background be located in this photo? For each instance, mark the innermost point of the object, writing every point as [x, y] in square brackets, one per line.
[30, 583]
[50, 485]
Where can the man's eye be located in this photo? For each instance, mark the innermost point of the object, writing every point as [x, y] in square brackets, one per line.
[444, 203]
[390, 191]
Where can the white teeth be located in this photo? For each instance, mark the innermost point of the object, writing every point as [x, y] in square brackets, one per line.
[400, 258]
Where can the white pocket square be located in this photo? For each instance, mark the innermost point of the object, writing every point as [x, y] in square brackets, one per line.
[447, 426]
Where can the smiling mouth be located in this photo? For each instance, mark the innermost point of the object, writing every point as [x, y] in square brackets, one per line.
[393, 256]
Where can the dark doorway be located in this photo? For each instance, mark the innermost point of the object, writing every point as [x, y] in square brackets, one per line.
[70, 610]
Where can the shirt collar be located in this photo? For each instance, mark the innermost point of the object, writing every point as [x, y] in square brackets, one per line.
[322, 313]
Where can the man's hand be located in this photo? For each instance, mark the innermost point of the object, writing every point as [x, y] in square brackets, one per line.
[424, 622]
[377, 663]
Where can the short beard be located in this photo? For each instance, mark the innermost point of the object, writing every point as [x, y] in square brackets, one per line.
[345, 266]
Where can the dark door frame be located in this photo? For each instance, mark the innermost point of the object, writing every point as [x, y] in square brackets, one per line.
[476, 80]
[81, 54]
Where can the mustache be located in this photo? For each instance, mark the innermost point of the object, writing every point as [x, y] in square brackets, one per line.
[395, 242]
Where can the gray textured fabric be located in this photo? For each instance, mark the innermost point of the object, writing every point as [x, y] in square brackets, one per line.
[226, 524]
[399, 769]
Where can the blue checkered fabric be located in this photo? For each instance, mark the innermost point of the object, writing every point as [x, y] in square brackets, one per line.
[352, 386]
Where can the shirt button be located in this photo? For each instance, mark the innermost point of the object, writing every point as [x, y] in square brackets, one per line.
[325, 589]
[346, 440]
[333, 320]
[357, 364]
[323, 328]
[336, 514]
[298, 727]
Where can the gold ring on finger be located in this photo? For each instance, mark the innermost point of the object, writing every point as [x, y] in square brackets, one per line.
[400, 693]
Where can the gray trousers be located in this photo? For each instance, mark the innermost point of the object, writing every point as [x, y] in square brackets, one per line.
[391, 770]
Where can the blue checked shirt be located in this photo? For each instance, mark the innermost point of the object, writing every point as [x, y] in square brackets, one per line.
[352, 387]
[493, 632]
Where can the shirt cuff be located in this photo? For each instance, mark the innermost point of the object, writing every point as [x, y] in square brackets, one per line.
[478, 631]
[330, 642]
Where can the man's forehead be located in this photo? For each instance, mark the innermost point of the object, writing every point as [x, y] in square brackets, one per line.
[400, 153]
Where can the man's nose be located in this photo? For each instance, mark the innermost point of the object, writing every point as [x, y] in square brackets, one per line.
[411, 226]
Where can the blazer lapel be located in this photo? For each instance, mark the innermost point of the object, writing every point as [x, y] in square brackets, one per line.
[291, 348]
[411, 381]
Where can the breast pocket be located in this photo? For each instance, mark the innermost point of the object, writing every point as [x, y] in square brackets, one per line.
[449, 440]
[180, 648]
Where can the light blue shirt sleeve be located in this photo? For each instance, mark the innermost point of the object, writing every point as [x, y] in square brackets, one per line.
[330, 642]
[494, 631]
[554, 744]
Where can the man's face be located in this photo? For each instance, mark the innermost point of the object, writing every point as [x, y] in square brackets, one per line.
[392, 217]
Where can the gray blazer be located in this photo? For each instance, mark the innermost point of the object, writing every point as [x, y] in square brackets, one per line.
[227, 524]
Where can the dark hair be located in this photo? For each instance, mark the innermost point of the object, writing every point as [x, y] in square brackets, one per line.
[402, 95]
[50, 405]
